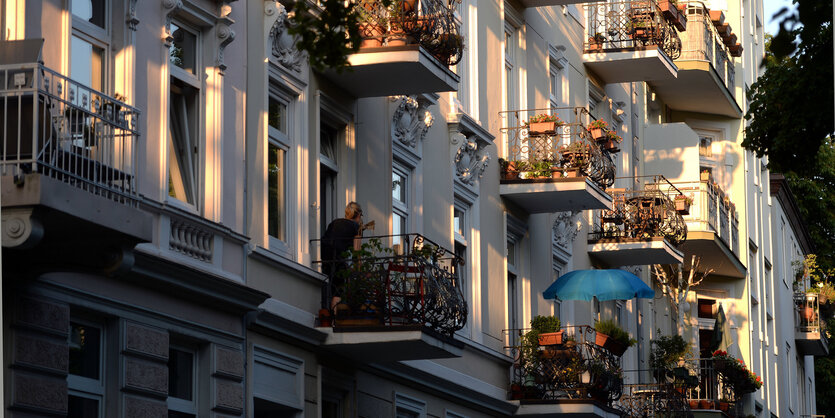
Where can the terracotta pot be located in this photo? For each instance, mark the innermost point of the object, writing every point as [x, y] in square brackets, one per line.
[611, 146]
[516, 391]
[510, 175]
[610, 344]
[807, 314]
[542, 128]
[572, 173]
[705, 404]
[594, 45]
[325, 318]
[597, 133]
[550, 338]
[704, 176]
[556, 173]
[694, 404]
[682, 206]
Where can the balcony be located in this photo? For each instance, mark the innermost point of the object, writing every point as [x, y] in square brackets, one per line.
[400, 300]
[714, 396]
[632, 41]
[548, 3]
[712, 228]
[642, 228]
[705, 81]
[68, 165]
[407, 48]
[555, 168]
[645, 394]
[809, 336]
[569, 375]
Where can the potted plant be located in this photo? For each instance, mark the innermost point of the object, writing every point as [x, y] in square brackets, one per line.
[611, 337]
[539, 170]
[641, 28]
[596, 42]
[704, 175]
[509, 169]
[683, 204]
[670, 10]
[598, 129]
[575, 157]
[611, 142]
[545, 331]
[363, 290]
[543, 124]
[666, 351]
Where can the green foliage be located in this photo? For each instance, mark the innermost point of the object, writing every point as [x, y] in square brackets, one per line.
[363, 287]
[328, 35]
[667, 350]
[612, 329]
[530, 340]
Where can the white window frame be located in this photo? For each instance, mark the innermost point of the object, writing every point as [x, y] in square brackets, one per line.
[183, 405]
[195, 81]
[463, 273]
[283, 141]
[511, 71]
[85, 387]
[402, 209]
[97, 36]
[409, 404]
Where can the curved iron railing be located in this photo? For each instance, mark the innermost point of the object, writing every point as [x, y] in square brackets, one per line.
[710, 210]
[397, 280]
[429, 23]
[569, 147]
[630, 25]
[702, 42]
[642, 214]
[577, 368]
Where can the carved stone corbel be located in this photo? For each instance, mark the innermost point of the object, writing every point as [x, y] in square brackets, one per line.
[171, 8]
[20, 229]
[282, 44]
[472, 141]
[130, 19]
[566, 226]
[225, 36]
[411, 121]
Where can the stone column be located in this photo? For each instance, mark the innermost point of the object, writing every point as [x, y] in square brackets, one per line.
[144, 354]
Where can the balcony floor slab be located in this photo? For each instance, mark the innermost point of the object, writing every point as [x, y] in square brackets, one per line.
[391, 71]
[697, 88]
[559, 195]
[627, 65]
[811, 343]
[386, 344]
[565, 409]
[631, 252]
[713, 253]
[547, 3]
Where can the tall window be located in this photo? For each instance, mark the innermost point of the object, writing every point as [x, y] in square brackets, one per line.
[461, 235]
[555, 81]
[399, 201]
[512, 295]
[511, 40]
[278, 121]
[705, 146]
[328, 170]
[184, 115]
[182, 383]
[85, 382]
[89, 43]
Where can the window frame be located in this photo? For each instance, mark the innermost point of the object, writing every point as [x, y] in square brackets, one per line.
[96, 36]
[283, 141]
[85, 387]
[179, 404]
[409, 404]
[398, 207]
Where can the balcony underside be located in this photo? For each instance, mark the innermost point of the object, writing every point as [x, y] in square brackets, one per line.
[555, 195]
[697, 89]
[708, 413]
[811, 343]
[632, 251]
[714, 254]
[394, 70]
[627, 65]
[386, 344]
[546, 3]
[565, 409]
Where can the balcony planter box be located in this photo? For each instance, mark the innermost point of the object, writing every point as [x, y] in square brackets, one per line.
[705, 404]
[550, 338]
[610, 344]
[673, 14]
[682, 206]
[694, 404]
[598, 133]
[542, 128]
[704, 176]
[611, 145]
[572, 172]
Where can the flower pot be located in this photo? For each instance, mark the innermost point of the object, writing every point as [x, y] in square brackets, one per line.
[610, 344]
[595, 45]
[807, 314]
[611, 146]
[325, 318]
[705, 404]
[372, 35]
[724, 406]
[572, 173]
[704, 176]
[516, 391]
[556, 173]
[550, 338]
[694, 404]
[510, 175]
[720, 365]
[542, 128]
[683, 207]
[597, 133]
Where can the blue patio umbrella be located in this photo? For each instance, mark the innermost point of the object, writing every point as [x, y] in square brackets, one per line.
[605, 284]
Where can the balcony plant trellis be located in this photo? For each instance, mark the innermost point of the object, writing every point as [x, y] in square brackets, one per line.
[630, 25]
[429, 23]
[562, 150]
[643, 214]
[400, 280]
[576, 368]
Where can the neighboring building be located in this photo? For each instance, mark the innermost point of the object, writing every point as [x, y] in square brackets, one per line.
[168, 168]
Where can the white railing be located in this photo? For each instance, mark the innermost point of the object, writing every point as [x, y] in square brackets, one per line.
[711, 211]
[702, 42]
[60, 128]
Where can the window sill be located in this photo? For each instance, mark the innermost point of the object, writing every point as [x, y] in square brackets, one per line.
[264, 254]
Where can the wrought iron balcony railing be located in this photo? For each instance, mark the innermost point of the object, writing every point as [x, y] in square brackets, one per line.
[713, 390]
[711, 210]
[395, 280]
[642, 214]
[429, 23]
[572, 367]
[630, 25]
[564, 149]
[658, 397]
[702, 42]
[63, 129]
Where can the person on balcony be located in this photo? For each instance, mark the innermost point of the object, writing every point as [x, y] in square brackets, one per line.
[337, 240]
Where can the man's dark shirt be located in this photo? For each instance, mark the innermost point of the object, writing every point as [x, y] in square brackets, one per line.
[338, 238]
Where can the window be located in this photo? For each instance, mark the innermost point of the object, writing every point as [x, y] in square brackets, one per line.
[277, 385]
[182, 397]
[512, 296]
[89, 43]
[705, 146]
[461, 235]
[184, 116]
[407, 407]
[328, 170]
[278, 127]
[399, 201]
[511, 40]
[85, 382]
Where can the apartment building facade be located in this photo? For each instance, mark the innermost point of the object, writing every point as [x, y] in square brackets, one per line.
[169, 168]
